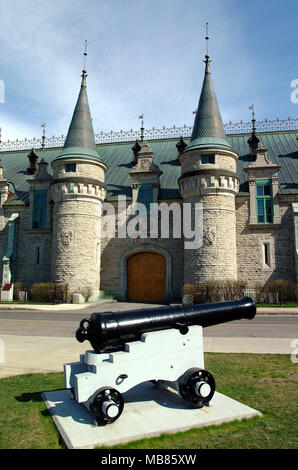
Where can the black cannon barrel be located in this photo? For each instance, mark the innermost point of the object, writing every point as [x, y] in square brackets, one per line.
[109, 331]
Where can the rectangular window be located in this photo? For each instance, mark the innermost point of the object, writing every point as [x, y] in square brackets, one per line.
[267, 255]
[208, 159]
[145, 195]
[264, 201]
[39, 209]
[37, 255]
[70, 168]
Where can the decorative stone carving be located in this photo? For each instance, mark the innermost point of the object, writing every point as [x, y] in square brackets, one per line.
[210, 236]
[66, 237]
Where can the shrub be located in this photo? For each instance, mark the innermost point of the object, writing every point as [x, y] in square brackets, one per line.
[215, 291]
[42, 292]
[86, 292]
[17, 288]
[280, 290]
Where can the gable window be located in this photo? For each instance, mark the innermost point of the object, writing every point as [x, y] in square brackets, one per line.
[208, 159]
[39, 208]
[70, 168]
[145, 195]
[264, 202]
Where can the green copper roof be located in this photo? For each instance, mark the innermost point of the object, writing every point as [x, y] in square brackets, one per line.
[282, 150]
[80, 141]
[208, 130]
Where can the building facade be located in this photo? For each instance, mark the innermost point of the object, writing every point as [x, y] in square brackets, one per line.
[66, 211]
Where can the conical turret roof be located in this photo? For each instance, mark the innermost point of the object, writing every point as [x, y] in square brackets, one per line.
[208, 129]
[80, 140]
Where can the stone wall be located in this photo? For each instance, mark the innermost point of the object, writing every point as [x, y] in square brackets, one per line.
[250, 246]
[87, 169]
[76, 246]
[27, 265]
[223, 160]
[116, 251]
[216, 258]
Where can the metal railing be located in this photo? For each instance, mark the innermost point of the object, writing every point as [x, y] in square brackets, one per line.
[151, 134]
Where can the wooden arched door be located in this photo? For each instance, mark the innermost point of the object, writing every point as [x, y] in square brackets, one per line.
[146, 277]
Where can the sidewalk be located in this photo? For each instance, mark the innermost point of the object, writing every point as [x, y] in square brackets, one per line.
[54, 307]
[33, 354]
[128, 305]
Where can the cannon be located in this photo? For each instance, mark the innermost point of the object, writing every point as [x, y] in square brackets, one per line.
[163, 345]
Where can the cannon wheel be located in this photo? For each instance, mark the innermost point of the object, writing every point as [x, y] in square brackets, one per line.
[106, 405]
[197, 387]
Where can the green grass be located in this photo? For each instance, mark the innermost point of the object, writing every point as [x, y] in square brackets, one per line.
[295, 305]
[267, 383]
[29, 303]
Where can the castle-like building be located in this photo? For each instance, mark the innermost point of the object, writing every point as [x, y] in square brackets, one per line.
[51, 203]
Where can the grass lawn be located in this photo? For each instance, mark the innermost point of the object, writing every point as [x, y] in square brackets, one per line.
[265, 382]
[17, 302]
[295, 305]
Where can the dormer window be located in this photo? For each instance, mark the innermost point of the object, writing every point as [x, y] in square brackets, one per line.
[70, 168]
[145, 195]
[208, 159]
[264, 201]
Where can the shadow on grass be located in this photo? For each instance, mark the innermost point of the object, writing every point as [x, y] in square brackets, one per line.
[34, 397]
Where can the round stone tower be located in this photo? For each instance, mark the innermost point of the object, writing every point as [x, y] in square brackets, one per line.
[78, 191]
[208, 176]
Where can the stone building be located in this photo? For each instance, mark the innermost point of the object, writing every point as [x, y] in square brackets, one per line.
[56, 199]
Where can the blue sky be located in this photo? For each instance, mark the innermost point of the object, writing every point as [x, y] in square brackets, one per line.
[144, 56]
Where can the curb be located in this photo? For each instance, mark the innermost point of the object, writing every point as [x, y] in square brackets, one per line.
[66, 307]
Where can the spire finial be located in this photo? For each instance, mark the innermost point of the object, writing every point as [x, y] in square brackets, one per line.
[142, 128]
[253, 118]
[43, 135]
[84, 72]
[253, 140]
[207, 39]
[207, 57]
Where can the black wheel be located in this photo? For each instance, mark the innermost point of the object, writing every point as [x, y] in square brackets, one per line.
[106, 405]
[197, 387]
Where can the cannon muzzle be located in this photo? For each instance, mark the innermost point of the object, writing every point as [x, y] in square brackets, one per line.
[109, 331]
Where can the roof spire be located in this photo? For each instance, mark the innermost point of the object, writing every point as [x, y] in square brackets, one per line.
[80, 140]
[208, 129]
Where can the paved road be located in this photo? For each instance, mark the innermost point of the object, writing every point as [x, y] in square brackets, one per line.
[64, 324]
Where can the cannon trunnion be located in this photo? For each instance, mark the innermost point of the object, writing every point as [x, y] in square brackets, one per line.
[161, 345]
